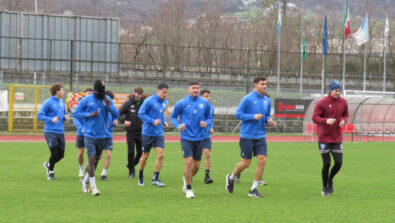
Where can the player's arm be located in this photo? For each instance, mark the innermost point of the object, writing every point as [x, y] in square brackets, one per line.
[240, 112]
[142, 114]
[175, 114]
[79, 111]
[112, 109]
[42, 113]
[317, 115]
[123, 112]
[207, 114]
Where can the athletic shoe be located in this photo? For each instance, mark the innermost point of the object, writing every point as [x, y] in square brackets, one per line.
[262, 183]
[325, 192]
[229, 184]
[95, 191]
[208, 180]
[189, 194]
[81, 173]
[85, 186]
[254, 193]
[46, 166]
[131, 175]
[158, 183]
[141, 182]
[330, 187]
[104, 178]
[237, 178]
[51, 176]
[184, 187]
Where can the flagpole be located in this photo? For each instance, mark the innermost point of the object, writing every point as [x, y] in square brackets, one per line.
[301, 57]
[344, 52]
[278, 58]
[364, 70]
[385, 55]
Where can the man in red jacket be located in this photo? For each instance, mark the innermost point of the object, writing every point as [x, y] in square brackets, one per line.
[330, 114]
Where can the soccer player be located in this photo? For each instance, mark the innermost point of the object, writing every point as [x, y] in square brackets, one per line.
[152, 112]
[330, 114]
[80, 137]
[195, 115]
[53, 113]
[133, 127]
[254, 113]
[207, 138]
[112, 122]
[94, 109]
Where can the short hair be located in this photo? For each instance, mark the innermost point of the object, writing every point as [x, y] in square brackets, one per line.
[202, 92]
[89, 89]
[193, 83]
[138, 90]
[110, 94]
[257, 79]
[161, 86]
[55, 87]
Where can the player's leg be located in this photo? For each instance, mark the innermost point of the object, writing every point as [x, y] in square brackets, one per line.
[160, 152]
[207, 162]
[337, 154]
[130, 143]
[139, 150]
[187, 150]
[80, 155]
[326, 161]
[260, 150]
[107, 158]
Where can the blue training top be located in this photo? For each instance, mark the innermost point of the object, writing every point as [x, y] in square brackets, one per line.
[250, 105]
[152, 108]
[51, 108]
[110, 125]
[95, 127]
[192, 110]
[207, 130]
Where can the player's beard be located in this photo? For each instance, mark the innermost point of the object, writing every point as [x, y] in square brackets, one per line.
[100, 89]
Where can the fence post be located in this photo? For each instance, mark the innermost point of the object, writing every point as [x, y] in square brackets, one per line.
[1, 79]
[71, 64]
[91, 60]
[164, 62]
[248, 72]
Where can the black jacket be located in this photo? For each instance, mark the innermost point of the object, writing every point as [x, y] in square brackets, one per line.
[128, 112]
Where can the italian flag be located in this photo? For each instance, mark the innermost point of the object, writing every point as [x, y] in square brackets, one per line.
[347, 29]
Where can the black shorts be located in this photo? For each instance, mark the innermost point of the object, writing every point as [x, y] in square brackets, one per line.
[330, 147]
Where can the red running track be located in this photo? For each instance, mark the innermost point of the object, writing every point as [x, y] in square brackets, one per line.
[72, 138]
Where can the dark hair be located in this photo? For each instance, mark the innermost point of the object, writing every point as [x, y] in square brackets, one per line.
[55, 87]
[138, 90]
[202, 92]
[193, 83]
[161, 86]
[89, 89]
[257, 79]
[110, 94]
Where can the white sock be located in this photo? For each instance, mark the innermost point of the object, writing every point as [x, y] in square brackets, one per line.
[232, 177]
[51, 171]
[92, 180]
[254, 184]
[82, 167]
[86, 178]
[104, 172]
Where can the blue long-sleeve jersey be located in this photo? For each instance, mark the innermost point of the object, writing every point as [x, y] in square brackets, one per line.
[110, 125]
[152, 108]
[192, 110]
[207, 130]
[250, 105]
[51, 108]
[79, 123]
[95, 127]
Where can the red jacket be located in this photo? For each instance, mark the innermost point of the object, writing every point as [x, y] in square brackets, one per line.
[329, 107]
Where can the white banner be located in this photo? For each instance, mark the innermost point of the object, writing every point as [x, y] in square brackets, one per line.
[4, 100]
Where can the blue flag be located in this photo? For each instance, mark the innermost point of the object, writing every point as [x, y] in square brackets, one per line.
[325, 39]
[279, 22]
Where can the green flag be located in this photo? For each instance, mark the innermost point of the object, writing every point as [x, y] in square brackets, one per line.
[304, 51]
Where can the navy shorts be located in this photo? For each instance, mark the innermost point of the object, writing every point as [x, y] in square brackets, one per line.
[206, 143]
[330, 147]
[251, 147]
[192, 149]
[80, 142]
[55, 140]
[95, 146]
[109, 144]
[152, 141]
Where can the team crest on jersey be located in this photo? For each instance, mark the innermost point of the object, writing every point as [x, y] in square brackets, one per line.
[265, 102]
[194, 112]
[322, 146]
[164, 105]
[201, 106]
[160, 110]
[330, 106]
[132, 106]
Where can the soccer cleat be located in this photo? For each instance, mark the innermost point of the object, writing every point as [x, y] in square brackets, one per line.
[104, 178]
[85, 186]
[254, 193]
[141, 182]
[158, 183]
[229, 184]
[81, 173]
[237, 178]
[331, 190]
[184, 187]
[325, 192]
[95, 191]
[208, 180]
[46, 166]
[51, 176]
[262, 183]
[189, 194]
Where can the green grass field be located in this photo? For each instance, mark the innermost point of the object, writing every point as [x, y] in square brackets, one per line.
[364, 188]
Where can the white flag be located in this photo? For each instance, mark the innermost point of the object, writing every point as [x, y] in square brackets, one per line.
[387, 28]
[362, 35]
